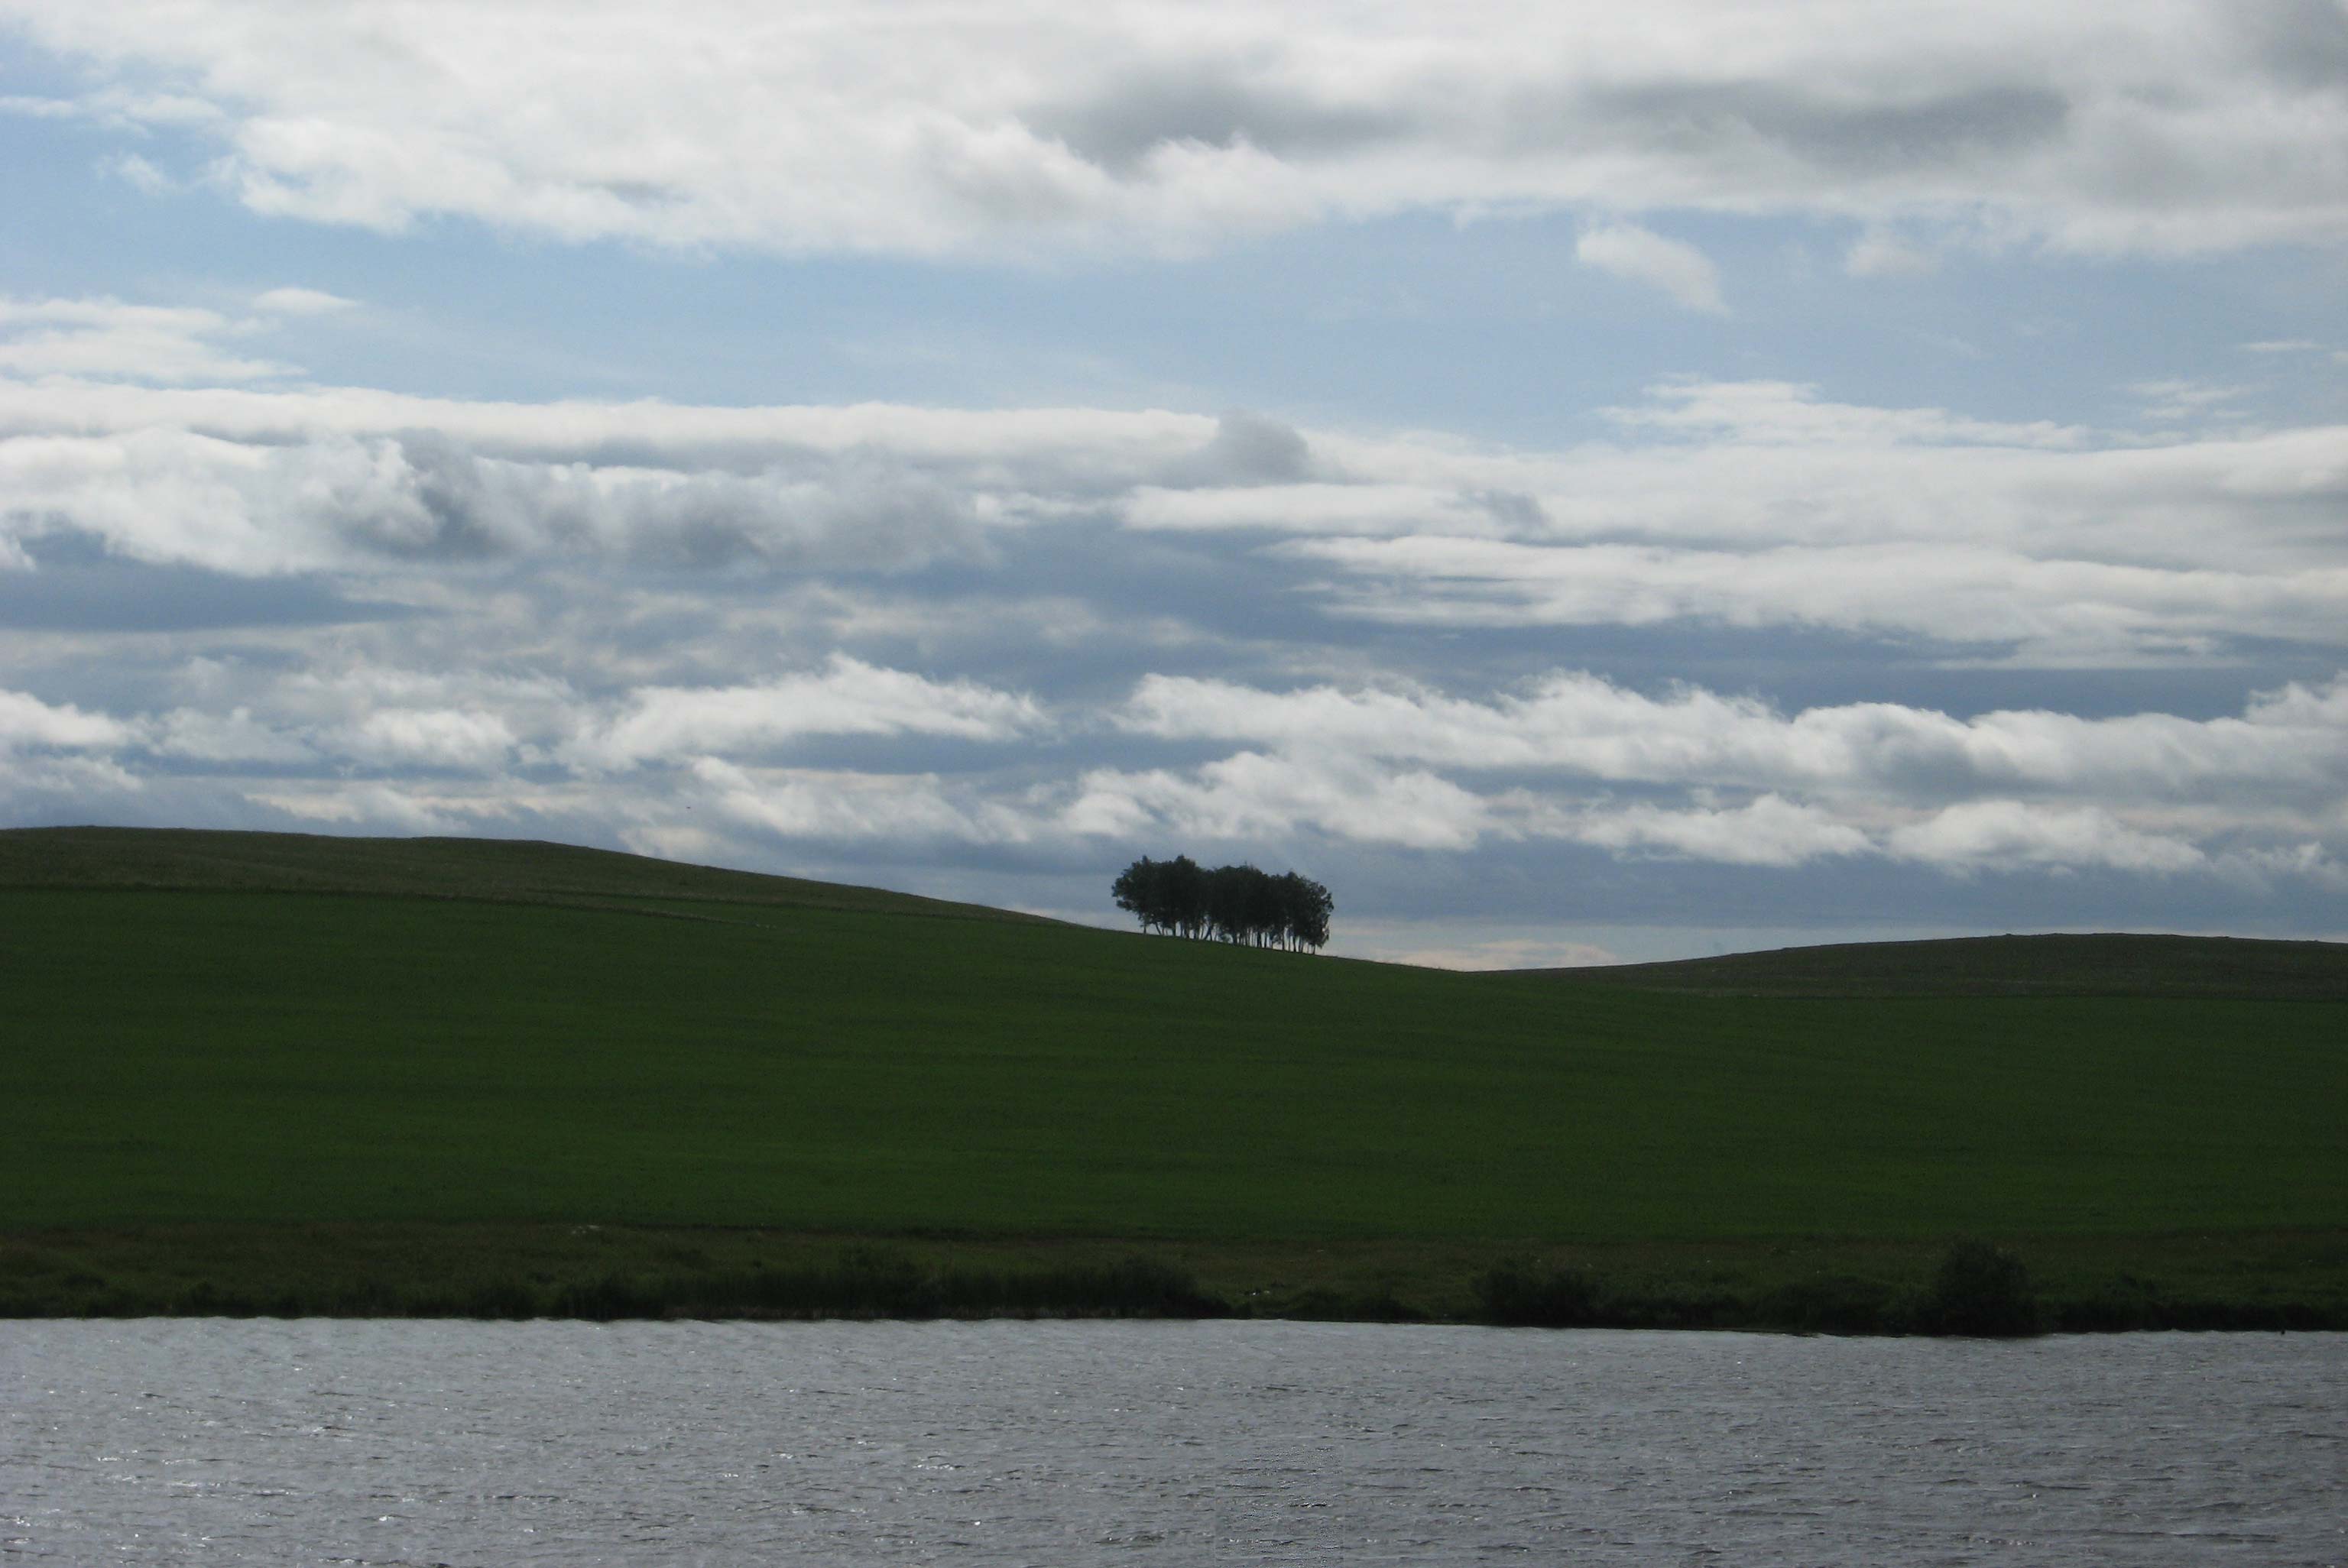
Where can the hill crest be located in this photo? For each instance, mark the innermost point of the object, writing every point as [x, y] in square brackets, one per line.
[535, 871]
[2111, 963]
[505, 870]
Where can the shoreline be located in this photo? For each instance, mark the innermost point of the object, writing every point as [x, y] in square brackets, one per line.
[2253, 1281]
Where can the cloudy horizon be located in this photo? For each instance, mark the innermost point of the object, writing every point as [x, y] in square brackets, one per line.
[1582, 484]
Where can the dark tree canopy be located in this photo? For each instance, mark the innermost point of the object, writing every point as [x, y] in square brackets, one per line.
[1234, 903]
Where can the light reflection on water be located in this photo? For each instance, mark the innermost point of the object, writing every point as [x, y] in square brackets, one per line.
[402, 1442]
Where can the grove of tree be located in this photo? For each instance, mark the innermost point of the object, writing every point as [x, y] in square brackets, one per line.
[1231, 903]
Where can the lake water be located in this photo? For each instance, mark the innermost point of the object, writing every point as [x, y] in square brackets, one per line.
[472, 1444]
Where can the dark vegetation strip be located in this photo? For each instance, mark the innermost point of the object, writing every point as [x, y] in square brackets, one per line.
[1969, 1288]
[1978, 1290]
[860, 1284]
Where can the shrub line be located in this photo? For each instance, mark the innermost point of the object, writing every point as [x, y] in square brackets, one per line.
[1978, 1290]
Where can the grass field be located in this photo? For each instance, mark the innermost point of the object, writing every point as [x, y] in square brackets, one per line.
[214, 1054]
[2082, 966]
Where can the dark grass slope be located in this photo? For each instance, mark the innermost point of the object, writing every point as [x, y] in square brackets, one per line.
[2108, 965]
[510, 870]
[201, 1056]
[217, 1061]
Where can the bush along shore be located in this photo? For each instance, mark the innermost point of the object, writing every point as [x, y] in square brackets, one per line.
[1970, 1287]
[1979, 1291]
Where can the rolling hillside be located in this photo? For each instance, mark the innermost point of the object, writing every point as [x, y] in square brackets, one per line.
[507, 870]
[2106, 965]
[274, 1031]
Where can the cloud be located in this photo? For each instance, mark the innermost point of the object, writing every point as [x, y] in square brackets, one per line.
[231, 737]
[1880, 253]
[2290, 744]
[1692, 777]
[2054, 612]
[840, 806]
[2148, 794]
[1751, 504]
[370, 719]
[297, 301]
[26, 722]
[2005, 835]
[1246, 449]
[140, 174]
[2176, 399]
[998, 648]
[1252, 796]
[1642, 256]
[58, 751]
[1074, 446]
[848, 698]
[372, 807]
[1778, 413]
[104, 337]
[430, 738]
[1032, 130]
[1350, 510]
[1769, 831]
[263, 506]
[29, 106]
[77, 784]
[1999, 790]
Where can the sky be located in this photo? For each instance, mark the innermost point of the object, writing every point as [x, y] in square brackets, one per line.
[1584, 481]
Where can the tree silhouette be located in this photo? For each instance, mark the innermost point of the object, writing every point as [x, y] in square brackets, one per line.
[1305, 907]
[1231, 903]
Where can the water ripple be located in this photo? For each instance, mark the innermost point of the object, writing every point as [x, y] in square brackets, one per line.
[171, 1442]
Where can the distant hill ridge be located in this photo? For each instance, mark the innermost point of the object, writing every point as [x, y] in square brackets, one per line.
[531, 871]
[505, 870]
[2105, 964]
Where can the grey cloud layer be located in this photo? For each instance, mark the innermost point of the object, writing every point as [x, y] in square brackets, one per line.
[1050, 637]
[1749, 504]
[935, 128]
[2292, 743]
[1714, 778]
[2148, 792]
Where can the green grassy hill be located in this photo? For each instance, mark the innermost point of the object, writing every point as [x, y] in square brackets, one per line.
[218, 1043]
[2105, 965]
[505, 870]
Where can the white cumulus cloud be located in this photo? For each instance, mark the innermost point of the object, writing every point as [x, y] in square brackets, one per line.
[840, 805]
[933, 128]
[109, 338]
[2292, 743]
[299, 302]
[1253, 795]
[2006, 834]
[27, 721]
[1644, 256]
[846, 698]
